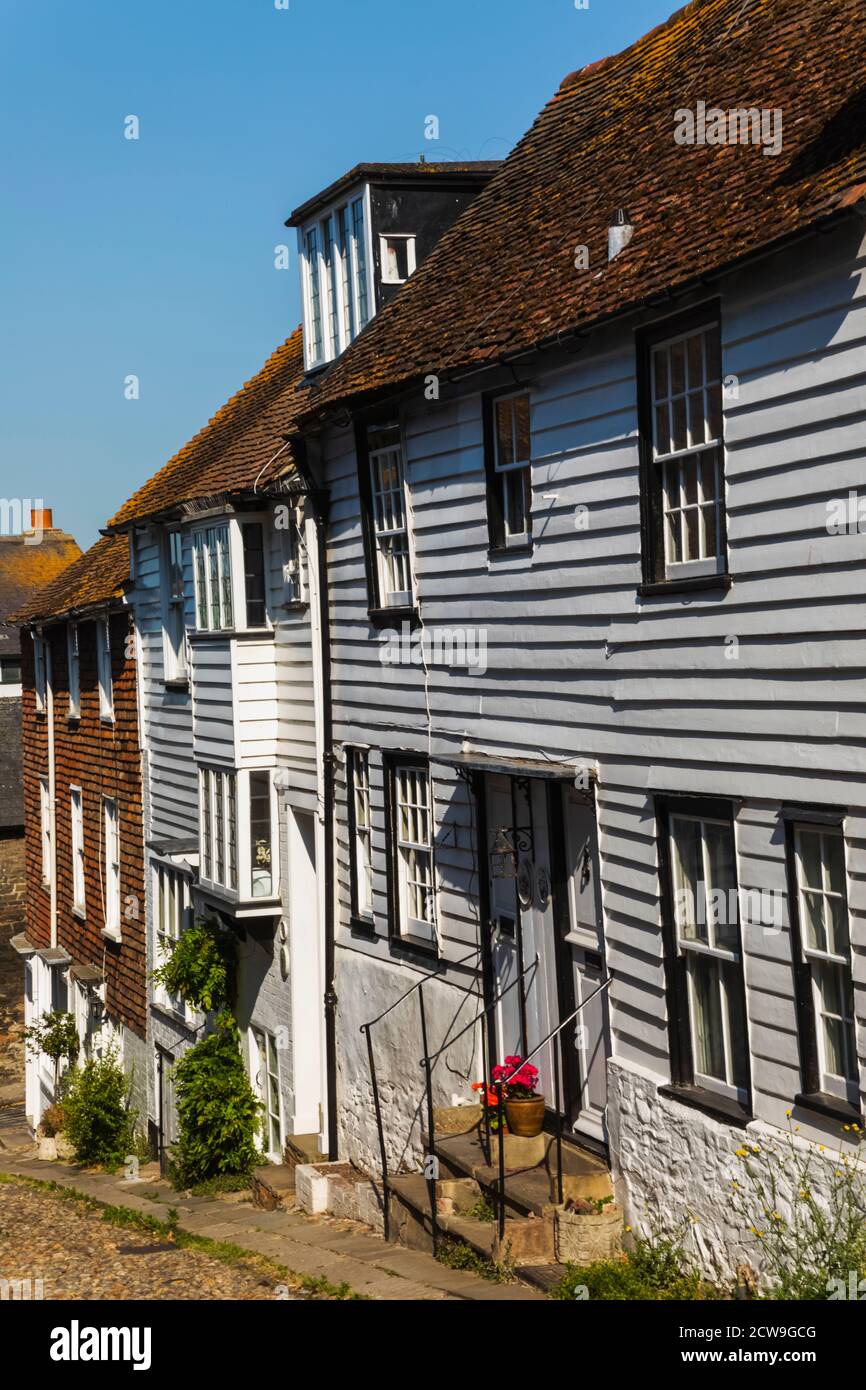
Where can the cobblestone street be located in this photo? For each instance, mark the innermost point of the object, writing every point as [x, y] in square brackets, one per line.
[78, 1255]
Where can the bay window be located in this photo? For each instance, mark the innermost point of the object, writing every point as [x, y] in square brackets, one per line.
[709, 1042]
[254, 573]
[112, 866]
[412, 882]
[261, 839]
[823, 968]
[212, 567]
[218, 827]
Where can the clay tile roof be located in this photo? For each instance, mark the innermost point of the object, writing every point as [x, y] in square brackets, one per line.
[462, 172]
[236, 449]
[503, 279]
[25, 568]
[96, 577]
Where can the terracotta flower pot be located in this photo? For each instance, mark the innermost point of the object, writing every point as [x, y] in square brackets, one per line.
[525, 1116]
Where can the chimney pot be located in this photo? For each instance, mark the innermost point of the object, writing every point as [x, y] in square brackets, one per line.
[41, 519]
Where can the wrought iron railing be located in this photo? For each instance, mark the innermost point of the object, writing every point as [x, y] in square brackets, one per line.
[428, 1063]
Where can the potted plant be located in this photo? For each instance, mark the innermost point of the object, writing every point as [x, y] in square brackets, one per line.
[524, 1107]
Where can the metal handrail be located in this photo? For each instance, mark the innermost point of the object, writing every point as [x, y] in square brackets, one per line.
[442, 965]
[478, 1017]
[559, 1027]
[371, 1058]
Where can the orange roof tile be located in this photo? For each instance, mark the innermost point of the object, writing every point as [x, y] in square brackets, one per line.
[96, 577]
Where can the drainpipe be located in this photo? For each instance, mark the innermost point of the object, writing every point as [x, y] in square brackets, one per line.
[320, 504]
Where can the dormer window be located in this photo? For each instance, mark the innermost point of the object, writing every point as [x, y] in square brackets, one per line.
[398, 258]
[335, 281]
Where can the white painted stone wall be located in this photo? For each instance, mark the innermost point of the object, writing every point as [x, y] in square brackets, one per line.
[674, 1170]
[365, 988]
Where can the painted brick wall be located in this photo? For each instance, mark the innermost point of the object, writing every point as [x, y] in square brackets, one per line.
[103, 759]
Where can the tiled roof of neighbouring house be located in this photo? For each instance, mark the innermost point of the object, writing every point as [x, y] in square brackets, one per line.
[230, 454]
[26, 567]
[98, 576]
[503, 279]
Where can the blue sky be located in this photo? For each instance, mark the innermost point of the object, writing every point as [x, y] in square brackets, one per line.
[155, 257]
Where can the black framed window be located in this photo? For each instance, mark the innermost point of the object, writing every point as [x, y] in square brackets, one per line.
[254, 573]
[411, 870]
[821, 948]
[682, 450]
[385, 519]
[508, 466]
[360, 836]
[703, 953]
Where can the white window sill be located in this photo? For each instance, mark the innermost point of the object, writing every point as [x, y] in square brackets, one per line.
[79, 911]
[112, 934]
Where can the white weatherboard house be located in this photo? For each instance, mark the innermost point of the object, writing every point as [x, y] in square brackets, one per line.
[501, 651]
[597, 631]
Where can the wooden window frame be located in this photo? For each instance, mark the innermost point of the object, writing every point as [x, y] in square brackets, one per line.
[362, 922]
[103, 668]
[380, 614]
[76, 819]
[812, 1095]
[683, 1086]
[73, 668]
[175, 658]
[113, 876]
[499, 543]
[656, 580]
[425, 945]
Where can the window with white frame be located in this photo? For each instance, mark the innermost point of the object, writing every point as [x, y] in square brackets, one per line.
[112, 865]
[77, 816]
[172, 915]
[174, 619]
[289, 523]
[413, 851]
[335, 281]
[389, 518]
[397, 254]
[45, 827]
[74, 671]
[262, 846]
[361, 832]
[212, 565]
[706, 918]
[252, 535]
[826, 952]
[687, 489]
[510, 477]
[218, 831]
[265, 1076]
[40, 679]
[103, 666]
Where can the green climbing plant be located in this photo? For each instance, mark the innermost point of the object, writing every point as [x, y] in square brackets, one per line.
[217, 1111]
[201, 967]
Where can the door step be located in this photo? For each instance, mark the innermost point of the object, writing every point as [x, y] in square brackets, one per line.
[530, 1191]
[528, 1240]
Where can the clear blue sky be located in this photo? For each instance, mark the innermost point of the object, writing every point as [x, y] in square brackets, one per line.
[156, 257]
